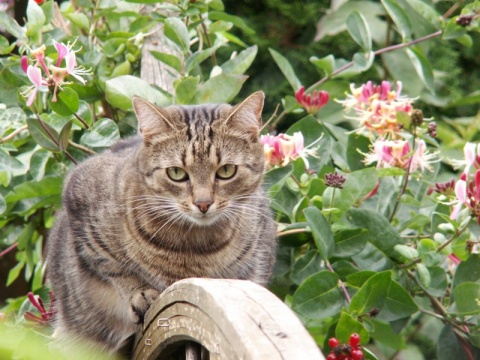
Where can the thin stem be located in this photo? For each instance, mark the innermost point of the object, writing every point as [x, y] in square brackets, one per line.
[209, 44]
[342, 285]
[7, 250]
[84, 123]
[271, 118]
[13, 134]
[378, 52]
[81, 148]
[331, 204]
[277, 120]
[452, 9]
[407, 176]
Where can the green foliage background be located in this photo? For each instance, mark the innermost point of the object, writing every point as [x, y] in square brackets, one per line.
[388, 253]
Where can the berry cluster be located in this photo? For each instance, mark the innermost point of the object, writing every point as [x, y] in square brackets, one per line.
[350, 351]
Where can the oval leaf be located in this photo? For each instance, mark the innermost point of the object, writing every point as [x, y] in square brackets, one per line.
[41, 136]
[67, 102]
[103, 133]
[322, 234]
[286, 69]
[399, 17]
[359, 30]
[177, 31]
[318, 296]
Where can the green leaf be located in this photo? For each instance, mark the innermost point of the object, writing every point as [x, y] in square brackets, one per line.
[357, 185]
[275, 179]
[347, 325]
[15, 272]
[438, 281]
[176, 30]
[120, 90]
[169, 59]
[384, 334]
[103, 133]
[64, 136]
[3, 204]
[286, 69]
[11, 25]
[357, 143]
[467, 298]
[406, 251]
[383, 293]
[318, 297]
[350, 242]
[9, 163]
[67, 102]
[452, 30]
[305, 266]
[399, 17]
[424, 275]
[185, 89]
[48, 186]
[79, 19]
[327, 63]
[422, 67]
[468, 271]
[235, 20]
[124, 68]
[240, 63]
[359, 278]
[322, 234]
[359, 30]
[41, 136]
[38, 162]
[35, 18]
[197, 58]
[219, 89]
[5, 46]
[449, 346]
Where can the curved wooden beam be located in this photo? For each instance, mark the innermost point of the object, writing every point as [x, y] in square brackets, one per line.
[231, 319]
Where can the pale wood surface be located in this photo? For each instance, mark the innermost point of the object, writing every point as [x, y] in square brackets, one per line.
[232, 319]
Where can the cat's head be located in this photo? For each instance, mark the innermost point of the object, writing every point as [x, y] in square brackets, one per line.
[201, 161]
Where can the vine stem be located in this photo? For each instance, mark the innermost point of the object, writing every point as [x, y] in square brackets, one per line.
[407, 176]
[84, 123]
[13, 134]
[7, 250]
[378, 52]
[342, 284]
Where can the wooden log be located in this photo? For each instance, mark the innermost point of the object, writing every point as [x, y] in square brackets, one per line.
[231, 319]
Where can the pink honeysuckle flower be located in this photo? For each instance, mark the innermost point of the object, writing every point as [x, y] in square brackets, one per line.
[39, 84]
[377, 107]
[397, 153]
[467, 194]
[471, 152]
[46, 316]
[55, 74]
[282, 149]
[311, 103]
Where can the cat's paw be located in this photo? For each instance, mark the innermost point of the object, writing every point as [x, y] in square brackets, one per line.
[140, 303]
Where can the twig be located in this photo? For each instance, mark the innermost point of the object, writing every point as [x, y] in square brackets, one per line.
[271, 118]
[209, 44]
[13, 134]
[84, 123]
[7, 250]
[342, 285]
[277, 120]
[378, 52]
[81, 148]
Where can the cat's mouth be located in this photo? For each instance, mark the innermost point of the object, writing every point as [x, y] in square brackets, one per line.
[206, 219]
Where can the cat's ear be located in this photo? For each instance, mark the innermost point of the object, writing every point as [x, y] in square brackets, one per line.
[150, 117]
[247, 116]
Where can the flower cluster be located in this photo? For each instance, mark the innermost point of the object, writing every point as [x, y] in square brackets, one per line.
[53, 76]
[467, 188]
[377, 107]
[398, 153]
[45, 316]
[311, 103]
[282, 149]
[334, 180]
[350, 351]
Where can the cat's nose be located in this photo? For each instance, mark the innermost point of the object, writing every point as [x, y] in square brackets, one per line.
[203, 205]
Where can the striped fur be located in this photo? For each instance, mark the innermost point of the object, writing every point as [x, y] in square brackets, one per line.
[126, 230]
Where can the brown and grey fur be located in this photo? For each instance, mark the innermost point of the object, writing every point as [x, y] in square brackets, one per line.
[127, 231]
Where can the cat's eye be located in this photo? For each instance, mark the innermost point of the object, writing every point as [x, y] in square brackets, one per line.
[226, 171]
[177, 174]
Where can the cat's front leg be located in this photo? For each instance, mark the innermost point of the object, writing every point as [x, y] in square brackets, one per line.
[141, 301]
[138, 296]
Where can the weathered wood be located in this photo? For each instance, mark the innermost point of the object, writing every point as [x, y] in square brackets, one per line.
[232, 319]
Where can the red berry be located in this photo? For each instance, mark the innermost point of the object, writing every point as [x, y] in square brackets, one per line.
[332, 356]
[357, 354]
[354, 339]
[332, 342]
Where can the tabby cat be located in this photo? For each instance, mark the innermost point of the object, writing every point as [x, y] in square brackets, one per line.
[181, 199]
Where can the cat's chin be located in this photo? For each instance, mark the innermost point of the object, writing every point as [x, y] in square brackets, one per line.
[204, 219]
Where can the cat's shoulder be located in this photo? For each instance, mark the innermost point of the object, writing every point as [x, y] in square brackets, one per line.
[125, 145]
